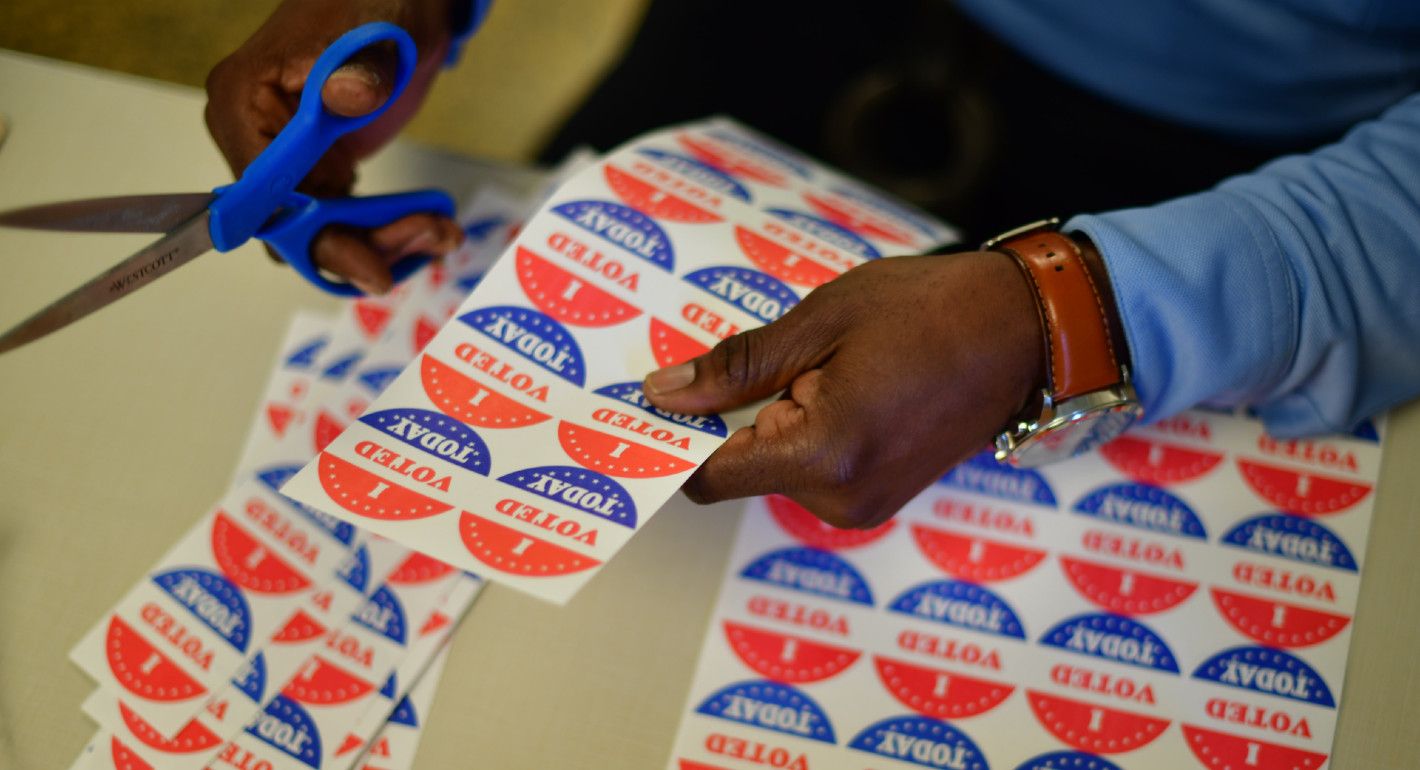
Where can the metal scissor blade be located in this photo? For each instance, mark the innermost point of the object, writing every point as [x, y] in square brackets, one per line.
[122, 214]
[188, 241]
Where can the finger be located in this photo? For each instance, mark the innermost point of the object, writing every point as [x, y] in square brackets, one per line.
[344, 251]
[781, 451]
[363, 83]
[748, 366]
[750, 462]
[417, 234]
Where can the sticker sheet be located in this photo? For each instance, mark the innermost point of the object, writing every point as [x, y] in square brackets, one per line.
[518, 443]
[1181, 599]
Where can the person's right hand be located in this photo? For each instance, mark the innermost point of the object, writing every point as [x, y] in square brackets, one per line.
[253, 93]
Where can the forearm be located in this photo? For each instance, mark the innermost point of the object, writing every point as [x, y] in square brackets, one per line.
[1291, 288]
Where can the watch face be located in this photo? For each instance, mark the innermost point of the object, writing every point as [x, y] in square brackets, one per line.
[1074, 434]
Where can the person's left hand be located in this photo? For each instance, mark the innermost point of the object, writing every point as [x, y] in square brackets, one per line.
[895, 371]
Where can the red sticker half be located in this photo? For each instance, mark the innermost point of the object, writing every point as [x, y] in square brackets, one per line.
[605, 453]
[1125, 591]
[731, 161]
[786, 658]
[469, 401]
[1277, 624]
[938, 693]
[326, 429]
[781, 261]
[814, 532]
[973, 558]
[124, 758]
[246, 561]
[144, 671]
[671, 347]
[841, 213]
[194, 736]
[567, 298]
[322, 683]
[299, 628]
[1092, 728]
[508, 550]
[1158, 463]
[1229, 752]
[1299, 491]
[418, 568]
[653, 201]
[365, 494]
[1222, 751]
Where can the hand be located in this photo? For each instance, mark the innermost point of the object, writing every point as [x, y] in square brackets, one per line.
[253, 93]
[895, 371]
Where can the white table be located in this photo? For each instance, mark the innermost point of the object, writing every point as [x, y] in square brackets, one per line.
[116, 433]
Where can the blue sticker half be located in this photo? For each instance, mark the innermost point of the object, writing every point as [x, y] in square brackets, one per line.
[534, 336]
[1142, 506]
[251, 677]
[376, 380]
[961, 604]
[285, 726]
[1067, 760]
[277, 475]
[466, 283]
[762, 296]
[341, 368]
[1292, 537]
[630, 393]
[213, 600]
[700, 173]
[305, 354]
[479, 229]
[813, 572]
[383, 614]
[433, 433]
[828, 232]
[770, 706]
[984, 476]
[1268, 671]
[622, 226]
[354, 569]
[1112, 637]
[587, 491]
[403, 714]
[920, 741]
[389, 687]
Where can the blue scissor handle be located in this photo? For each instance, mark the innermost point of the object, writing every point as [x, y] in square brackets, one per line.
[291, 235]
[242, 208]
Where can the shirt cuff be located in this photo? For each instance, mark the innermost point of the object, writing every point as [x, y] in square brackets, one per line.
[1208, 307]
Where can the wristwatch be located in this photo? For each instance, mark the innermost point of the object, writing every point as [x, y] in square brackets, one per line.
[1088, 398]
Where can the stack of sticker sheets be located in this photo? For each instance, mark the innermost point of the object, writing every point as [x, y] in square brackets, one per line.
[520, 444]
[274, 636]
[1181, 599]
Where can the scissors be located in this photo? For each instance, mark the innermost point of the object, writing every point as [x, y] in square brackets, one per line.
[261, 204]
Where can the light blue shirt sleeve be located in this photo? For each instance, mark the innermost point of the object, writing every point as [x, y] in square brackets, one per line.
[1294, 289]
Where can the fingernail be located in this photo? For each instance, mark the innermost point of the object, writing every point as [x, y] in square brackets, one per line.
[362, 73]
[670, 378]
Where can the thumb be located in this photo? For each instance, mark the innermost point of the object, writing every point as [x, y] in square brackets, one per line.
[742, 369]
[363, 83]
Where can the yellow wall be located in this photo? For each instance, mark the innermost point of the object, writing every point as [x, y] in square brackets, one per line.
[530, 64]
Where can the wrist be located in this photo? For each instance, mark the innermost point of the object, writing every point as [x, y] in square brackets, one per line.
[1087, 398]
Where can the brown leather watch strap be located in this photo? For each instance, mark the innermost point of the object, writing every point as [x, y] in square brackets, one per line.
[1079, 350]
